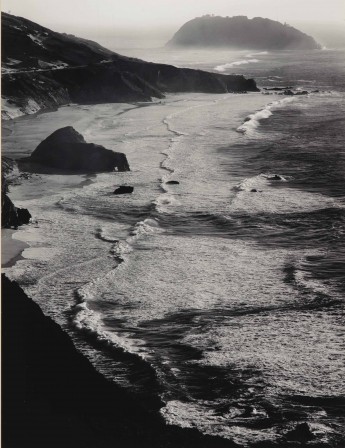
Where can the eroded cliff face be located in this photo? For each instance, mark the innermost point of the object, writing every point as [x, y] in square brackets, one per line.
[43, 69]
[11, 216]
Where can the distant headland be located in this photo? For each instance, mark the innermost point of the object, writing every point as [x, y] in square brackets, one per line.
[43, 69]
[241, 32]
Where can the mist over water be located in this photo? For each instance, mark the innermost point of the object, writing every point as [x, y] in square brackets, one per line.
[222, 294]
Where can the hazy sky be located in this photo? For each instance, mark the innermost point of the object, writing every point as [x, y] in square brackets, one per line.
[69, 15]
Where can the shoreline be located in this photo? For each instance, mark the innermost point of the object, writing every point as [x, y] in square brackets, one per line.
[184, 434]
[66, 396]
[11, 248]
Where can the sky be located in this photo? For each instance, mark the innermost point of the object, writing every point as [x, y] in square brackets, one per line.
[89, 18]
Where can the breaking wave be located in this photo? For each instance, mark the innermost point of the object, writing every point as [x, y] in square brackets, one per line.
[252, 122]
[222, 68]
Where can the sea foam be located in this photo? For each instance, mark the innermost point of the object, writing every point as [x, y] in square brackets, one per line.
[252, 122]
[222, 68]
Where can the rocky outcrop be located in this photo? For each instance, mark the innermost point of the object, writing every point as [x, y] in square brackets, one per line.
[124, 189]
[241, 32]
[172, 182]
[53, 397]
[66, 149]
[300, 433]
[43, 69]
[11, 216]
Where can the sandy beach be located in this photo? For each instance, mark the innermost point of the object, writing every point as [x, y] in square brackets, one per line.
[11, 248]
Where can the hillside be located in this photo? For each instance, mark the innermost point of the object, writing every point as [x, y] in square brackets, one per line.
[43, 69]
[241, 32]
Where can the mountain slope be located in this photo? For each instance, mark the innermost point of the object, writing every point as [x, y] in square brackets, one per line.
[44, 69]
[241, 32]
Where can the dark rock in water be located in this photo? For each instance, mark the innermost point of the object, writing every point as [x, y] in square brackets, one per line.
[66, 149]
[253, 190]
[277, 88]
[172, 182]
[301, 433]
[288, 92]
[275, 177]
[124, 189]
[303, 92]
[11, 216]
[23, 215]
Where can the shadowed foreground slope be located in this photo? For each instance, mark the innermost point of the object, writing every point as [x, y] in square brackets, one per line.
[53, 397]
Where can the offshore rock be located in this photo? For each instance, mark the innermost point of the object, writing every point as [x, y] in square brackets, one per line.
[241, 32]
[301, 433]
[66, 149]
[124, 189]
[172, 182]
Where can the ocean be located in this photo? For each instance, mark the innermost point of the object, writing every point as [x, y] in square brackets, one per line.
[222, 295]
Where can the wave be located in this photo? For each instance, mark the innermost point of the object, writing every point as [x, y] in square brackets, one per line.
[256, 54]
[260, 181]
[222, 68]
[143, 228]
[90, 321]
[252, 122]
[170, 129]
[102, 235]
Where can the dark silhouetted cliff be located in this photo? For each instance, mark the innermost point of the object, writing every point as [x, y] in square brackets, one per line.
[11, 216]
[53, 397]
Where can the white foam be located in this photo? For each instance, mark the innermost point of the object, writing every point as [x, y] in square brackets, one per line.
[165, 200]
[199, 415]
[261, 181]
[224, 67]
[90, 322]
[253, 120]
[257, 54]
[268, 199]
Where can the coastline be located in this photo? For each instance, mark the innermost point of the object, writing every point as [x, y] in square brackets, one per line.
[162, 432]
[156, 431]
[11, 248]
[56, 397]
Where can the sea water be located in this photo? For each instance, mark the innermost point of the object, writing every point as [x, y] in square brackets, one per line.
[223, 294]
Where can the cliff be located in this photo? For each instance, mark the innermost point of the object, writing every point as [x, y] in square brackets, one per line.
[241, 32]
[52, 395]
[11, 216]
[43, 69]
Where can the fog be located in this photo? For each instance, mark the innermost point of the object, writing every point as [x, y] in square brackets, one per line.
[328, 34]
[151, 23]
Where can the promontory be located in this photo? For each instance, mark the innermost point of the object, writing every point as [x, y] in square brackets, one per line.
[241, 32]
[43, 69]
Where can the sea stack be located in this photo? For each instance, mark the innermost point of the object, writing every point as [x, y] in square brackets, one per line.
[241, 32]
[66, 149]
